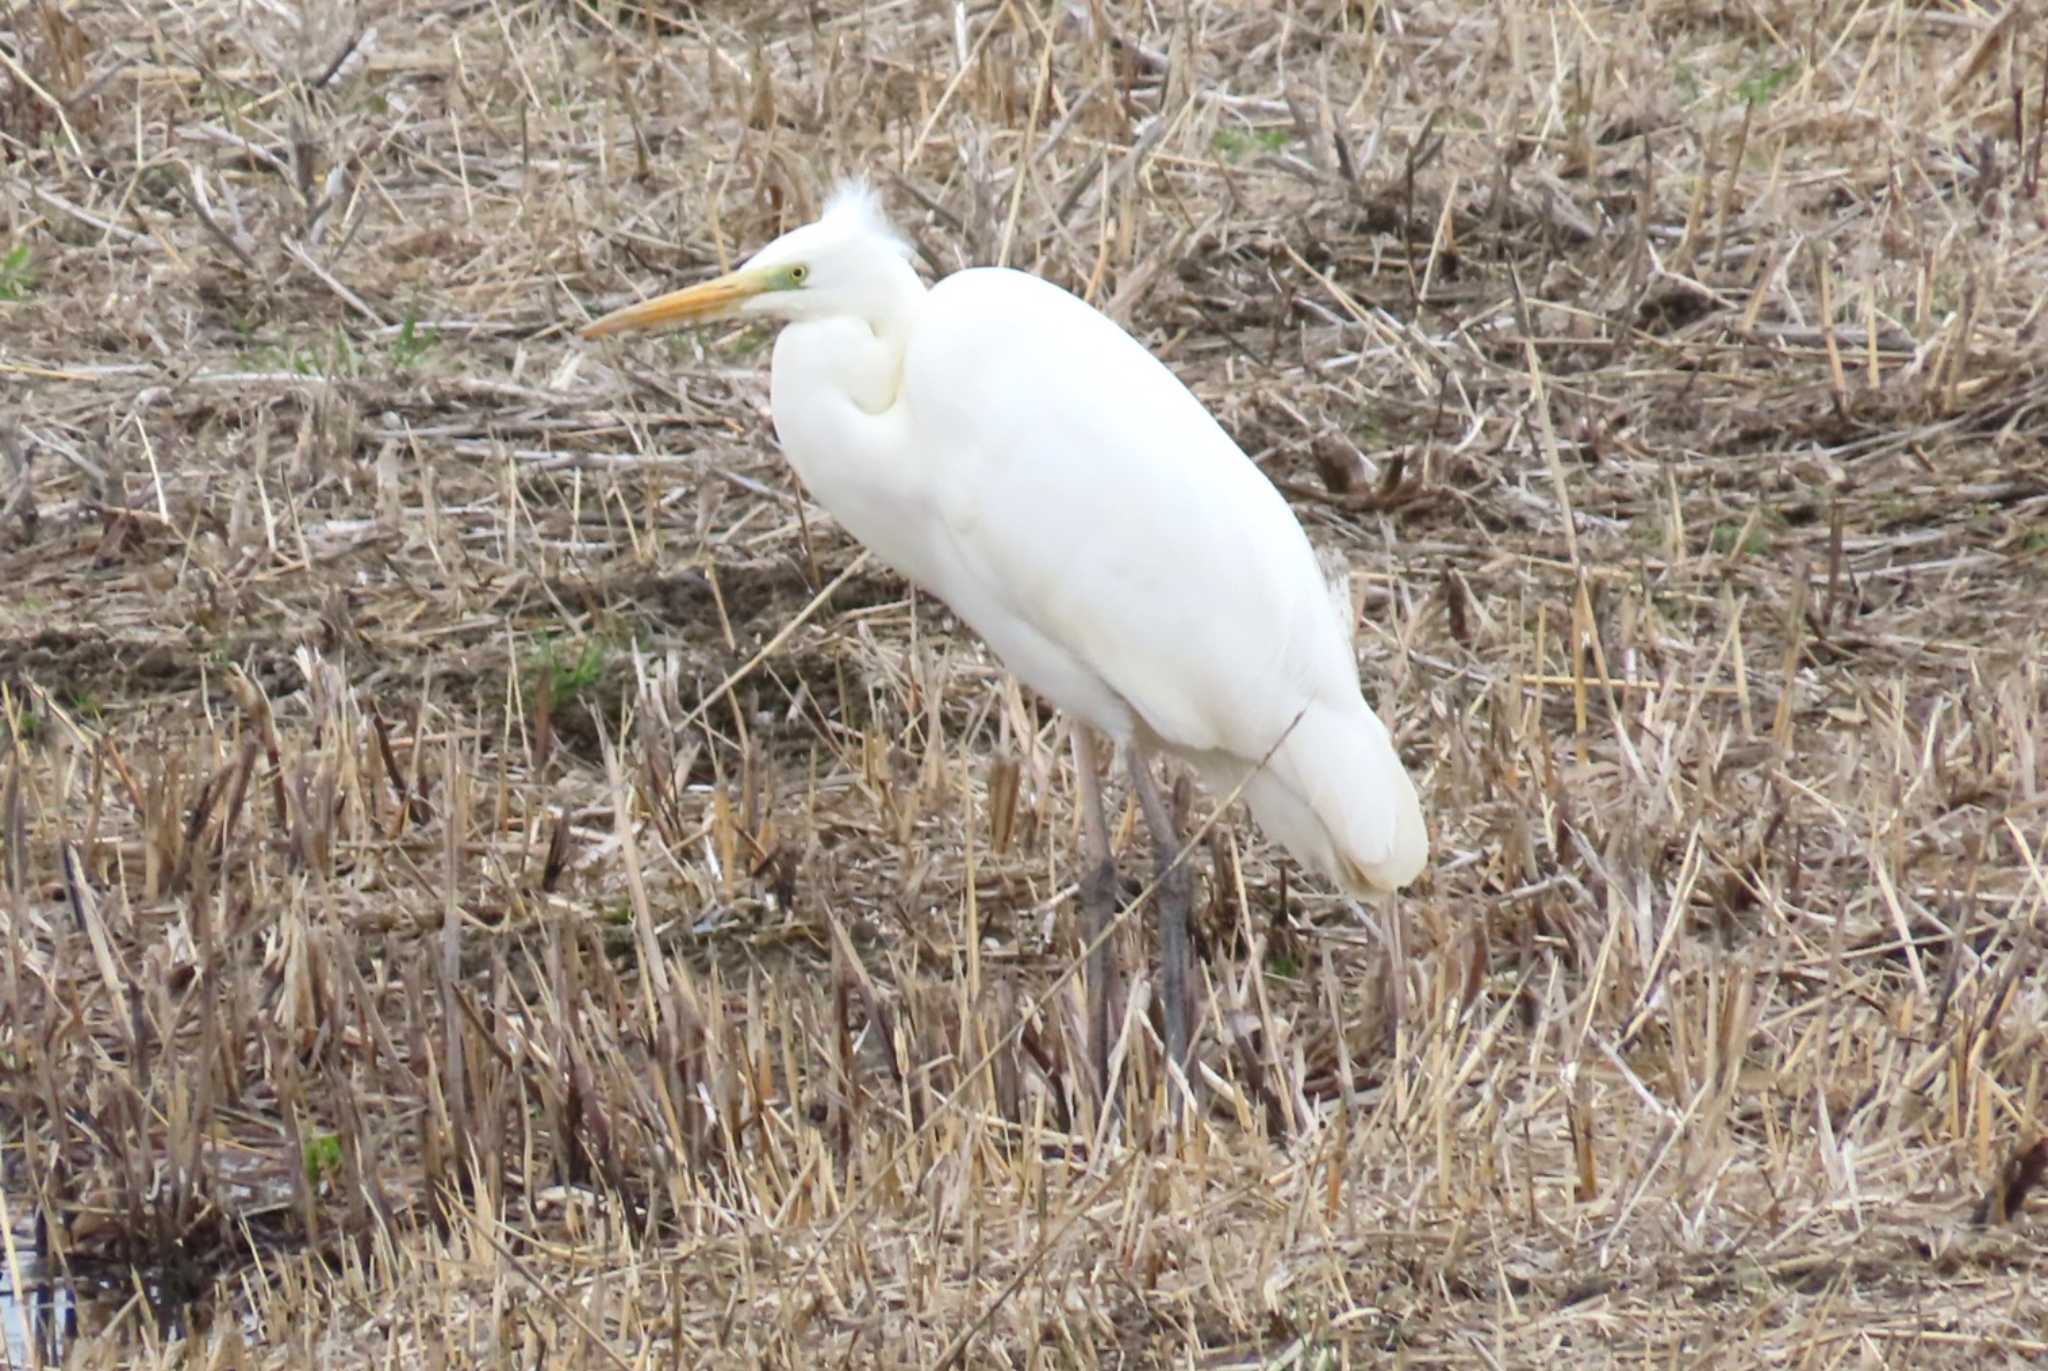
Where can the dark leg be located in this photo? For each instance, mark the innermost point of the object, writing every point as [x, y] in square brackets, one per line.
[1176, 895]
[1397, 960]
[1098, 905]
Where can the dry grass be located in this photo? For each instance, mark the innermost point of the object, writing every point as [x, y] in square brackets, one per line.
[436, 934]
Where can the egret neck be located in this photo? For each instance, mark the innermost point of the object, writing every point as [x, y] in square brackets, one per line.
[856, 349]
[836, 393]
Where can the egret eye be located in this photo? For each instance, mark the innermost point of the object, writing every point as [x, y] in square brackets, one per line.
[798, 274]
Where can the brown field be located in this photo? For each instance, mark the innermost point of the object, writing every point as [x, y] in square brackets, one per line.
[493, 877]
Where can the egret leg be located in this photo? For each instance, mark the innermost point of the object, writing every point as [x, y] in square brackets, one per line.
[1397, 961]
[1176, 896]
[1098, 905]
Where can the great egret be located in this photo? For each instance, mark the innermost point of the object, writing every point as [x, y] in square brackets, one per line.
[1015, 453]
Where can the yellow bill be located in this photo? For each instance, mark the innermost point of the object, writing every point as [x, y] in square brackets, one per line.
[681, 306]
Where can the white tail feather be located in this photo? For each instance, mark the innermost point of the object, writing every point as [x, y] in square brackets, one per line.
[1336, 796]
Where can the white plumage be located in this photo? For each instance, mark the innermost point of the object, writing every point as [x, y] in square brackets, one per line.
[1017, 454]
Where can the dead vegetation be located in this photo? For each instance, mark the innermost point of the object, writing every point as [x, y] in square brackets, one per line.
[492, 876]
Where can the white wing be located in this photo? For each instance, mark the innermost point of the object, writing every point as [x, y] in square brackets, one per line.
[1125, 558]
[1097, 502]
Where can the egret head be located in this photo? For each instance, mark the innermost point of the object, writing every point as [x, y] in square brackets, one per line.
[851, 261]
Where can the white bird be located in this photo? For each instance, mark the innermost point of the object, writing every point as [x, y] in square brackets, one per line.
[1018, 455]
